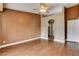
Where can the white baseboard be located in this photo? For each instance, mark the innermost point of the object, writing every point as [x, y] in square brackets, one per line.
[62, 41]
[44, 38]
[73, 40]
[15, 43]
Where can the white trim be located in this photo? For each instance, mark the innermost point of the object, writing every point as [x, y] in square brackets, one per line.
[62, 41]
[44, 38]
[14, 43]
[73, 40]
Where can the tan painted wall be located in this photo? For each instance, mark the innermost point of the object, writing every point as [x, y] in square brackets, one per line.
[18, 26]
[1, 7]
[0, 29]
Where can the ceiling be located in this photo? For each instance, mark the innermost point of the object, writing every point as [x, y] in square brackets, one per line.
[34, 7]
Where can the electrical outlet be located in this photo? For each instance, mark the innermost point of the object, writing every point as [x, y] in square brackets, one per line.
[4, 42]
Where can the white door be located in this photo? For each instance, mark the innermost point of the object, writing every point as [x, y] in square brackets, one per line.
[76, 31]
[73, 30]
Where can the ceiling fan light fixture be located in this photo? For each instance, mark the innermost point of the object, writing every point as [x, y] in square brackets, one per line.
[43, 10]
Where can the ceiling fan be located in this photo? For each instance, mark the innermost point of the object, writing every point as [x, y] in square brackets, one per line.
[44, 8]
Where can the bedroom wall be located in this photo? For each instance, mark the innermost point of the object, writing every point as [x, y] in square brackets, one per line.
[0, 30]
[1, 7]
[18, 26]
[58, 26]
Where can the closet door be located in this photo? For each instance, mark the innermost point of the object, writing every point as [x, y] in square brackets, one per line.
[70, 30]
[76, 30]
[73, 30]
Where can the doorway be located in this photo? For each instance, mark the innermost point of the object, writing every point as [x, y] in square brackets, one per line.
[50, 29]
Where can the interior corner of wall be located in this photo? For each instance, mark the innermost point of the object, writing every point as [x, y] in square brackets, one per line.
[44, 38]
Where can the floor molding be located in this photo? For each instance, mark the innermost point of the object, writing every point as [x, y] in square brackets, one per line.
[15, 43]
[62, 41]
[44, 38]
[73, 41]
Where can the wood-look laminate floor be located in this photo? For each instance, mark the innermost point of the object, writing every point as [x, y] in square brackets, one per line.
[42, 48]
